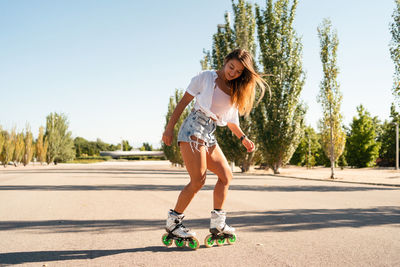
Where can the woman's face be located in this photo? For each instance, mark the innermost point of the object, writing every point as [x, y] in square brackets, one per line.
[233, 69]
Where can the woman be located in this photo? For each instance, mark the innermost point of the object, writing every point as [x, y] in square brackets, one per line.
[220, 97]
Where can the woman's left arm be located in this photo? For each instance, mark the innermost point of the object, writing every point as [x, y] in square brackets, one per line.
[239, 133]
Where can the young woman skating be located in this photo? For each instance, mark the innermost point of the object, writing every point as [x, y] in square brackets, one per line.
[220, 97]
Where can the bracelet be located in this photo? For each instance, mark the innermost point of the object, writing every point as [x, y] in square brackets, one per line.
[242, 137]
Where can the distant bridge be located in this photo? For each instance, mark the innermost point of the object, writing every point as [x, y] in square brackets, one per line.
[118, 154]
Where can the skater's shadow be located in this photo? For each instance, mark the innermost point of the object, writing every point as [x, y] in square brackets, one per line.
[63, 255]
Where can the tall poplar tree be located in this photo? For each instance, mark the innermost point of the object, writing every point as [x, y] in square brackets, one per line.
[2, 139]
[240, 34]
[41, 146]
[333, 135]
[19, 149]
[395, 49]
[28, 149]
[280, 116]
[8, 147]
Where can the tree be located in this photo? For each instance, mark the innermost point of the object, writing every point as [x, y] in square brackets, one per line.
[28, 149]
[387, 138]
[101, 146]
[206, 61]
[81, 146]
[18, 149]
[280, 116]
[172, 153]
[126, 146]
[60, 143]
[2, 140]
[84, 148]
[113, 147]
[146, 147]
[307, 151]
[41, 146]
[320, 156]
[333, 136]
[362, 148]
[227, 38]
[8, 147]
[395, 48]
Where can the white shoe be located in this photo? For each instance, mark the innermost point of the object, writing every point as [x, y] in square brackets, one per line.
[217, 222]
[174, 225]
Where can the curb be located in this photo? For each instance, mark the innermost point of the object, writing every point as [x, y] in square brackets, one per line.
[324, 180]
[338, 181]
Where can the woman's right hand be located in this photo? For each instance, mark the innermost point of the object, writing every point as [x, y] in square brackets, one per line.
[167, 136]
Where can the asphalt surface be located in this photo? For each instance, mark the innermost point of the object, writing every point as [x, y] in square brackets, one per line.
[113, 214]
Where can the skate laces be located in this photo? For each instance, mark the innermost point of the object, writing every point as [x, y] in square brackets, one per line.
[184, 228]
[179, 225]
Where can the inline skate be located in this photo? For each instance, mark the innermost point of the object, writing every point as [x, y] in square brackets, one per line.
[177, 232]
[219, 230]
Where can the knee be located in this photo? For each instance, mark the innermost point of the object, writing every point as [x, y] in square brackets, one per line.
[197, 184]
[225, 177]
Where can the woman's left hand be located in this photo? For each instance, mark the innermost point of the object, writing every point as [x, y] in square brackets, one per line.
[248, 144]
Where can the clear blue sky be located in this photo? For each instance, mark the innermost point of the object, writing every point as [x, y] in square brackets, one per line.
[111, 66]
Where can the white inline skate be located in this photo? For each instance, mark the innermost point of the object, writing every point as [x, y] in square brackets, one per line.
[178, 232]
[219, 230]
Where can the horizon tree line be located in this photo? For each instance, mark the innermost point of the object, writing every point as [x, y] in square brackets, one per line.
[54, 144]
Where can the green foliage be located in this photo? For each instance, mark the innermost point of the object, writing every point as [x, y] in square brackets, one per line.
[87, 148]
[228, 38]
[306, 153]
[206, 61]
[60, 143]
[29, 147]
[280, 116]
[395, 48]
[172, 153]
[113, 147]
[320, 156]
[19, 149]
[8, 147]
[102, 146]
[146, 147]
[387, 138]
[82, 147]
[333, 136]
[2, 140]
[244, 26]
[90, 159]
[362, 148]
[126, 146]
[41, 146]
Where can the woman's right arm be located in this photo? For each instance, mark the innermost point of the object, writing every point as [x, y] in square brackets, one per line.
[169, 129]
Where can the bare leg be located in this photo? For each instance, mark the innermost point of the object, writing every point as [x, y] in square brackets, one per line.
[196, 165]
[217, 163]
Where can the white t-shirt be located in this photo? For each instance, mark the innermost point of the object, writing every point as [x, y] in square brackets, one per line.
[202, 88]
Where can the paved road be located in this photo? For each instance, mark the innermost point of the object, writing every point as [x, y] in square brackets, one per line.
[114, 214]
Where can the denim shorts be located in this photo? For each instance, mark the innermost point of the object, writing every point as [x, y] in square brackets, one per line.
[199, 127]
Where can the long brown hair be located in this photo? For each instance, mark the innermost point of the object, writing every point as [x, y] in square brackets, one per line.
[244, 87]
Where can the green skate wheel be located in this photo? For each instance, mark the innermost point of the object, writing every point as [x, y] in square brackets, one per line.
[220, 240]
[231, 240]
[165, 240]
[194, 243]
[209, 241]
[180, 243]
